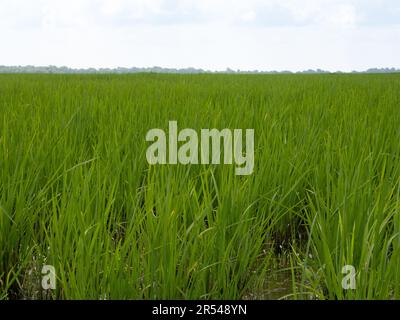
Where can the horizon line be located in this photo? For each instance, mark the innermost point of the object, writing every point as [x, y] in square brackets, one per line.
[185, 70]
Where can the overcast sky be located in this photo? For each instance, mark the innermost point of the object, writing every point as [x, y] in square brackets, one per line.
[210, 34]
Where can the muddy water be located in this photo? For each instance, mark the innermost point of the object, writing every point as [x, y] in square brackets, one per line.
[278, 285]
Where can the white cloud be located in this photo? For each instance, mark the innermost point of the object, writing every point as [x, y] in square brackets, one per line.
[249, 16]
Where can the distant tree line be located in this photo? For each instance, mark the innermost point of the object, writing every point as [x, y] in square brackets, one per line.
[120, 70]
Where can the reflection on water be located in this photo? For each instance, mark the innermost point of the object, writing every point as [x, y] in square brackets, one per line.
[278, 285]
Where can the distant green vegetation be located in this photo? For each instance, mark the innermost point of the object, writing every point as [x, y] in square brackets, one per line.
[76, 191]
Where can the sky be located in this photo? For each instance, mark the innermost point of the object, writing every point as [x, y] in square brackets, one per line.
[210, 34]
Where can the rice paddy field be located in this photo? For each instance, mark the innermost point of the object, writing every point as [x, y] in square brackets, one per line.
[77, 193]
